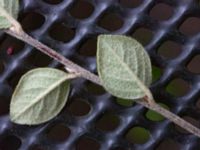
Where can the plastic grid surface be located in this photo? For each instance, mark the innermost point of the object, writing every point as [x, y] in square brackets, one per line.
[17, 64]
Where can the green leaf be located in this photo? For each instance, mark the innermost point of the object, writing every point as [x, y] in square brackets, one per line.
[123, 66]
[39, 96]
[8, 9]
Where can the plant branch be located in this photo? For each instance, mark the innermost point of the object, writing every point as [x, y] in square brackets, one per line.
[71, 67]
[171, 116]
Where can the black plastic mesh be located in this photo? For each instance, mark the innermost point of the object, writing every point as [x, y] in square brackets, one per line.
[71, 27]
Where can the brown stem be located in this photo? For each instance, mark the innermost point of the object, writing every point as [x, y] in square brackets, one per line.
[171, 116]
[74, 68]
[69, 65]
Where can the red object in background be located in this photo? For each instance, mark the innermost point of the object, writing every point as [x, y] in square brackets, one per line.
[10, 50]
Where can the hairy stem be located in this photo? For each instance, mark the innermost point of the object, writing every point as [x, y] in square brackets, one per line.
[171, 116]
[74, 68]
[69, 65]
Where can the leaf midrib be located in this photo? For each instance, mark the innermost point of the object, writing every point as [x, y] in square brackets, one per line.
[138, 82]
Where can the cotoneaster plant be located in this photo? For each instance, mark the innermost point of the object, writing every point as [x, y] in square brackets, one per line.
[123, 66]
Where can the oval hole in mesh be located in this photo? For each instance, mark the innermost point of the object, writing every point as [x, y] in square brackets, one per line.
[169, 144]
[94, 88]
[161, 12]
[32, 21]
[143, 35]
[111, 21]
[169, 49]
[53, 1]
[58, 133]
[89, 47]
[178, 87]
[193, 65]
[138, 135]
[79, 107]
[61, 32]
[108, 122]
[85, 143]
[38, 59]
[130, 3]
[10, 142]
[190, 26]
[81, 9]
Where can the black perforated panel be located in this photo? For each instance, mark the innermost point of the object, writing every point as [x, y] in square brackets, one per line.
[93, 119]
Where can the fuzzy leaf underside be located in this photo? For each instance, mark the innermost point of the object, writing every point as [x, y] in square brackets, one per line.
[39, 96]
[10, 7]
[123, 66]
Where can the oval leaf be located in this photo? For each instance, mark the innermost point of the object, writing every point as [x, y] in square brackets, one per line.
[8, 8]
[39, 96]
[123, 65]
